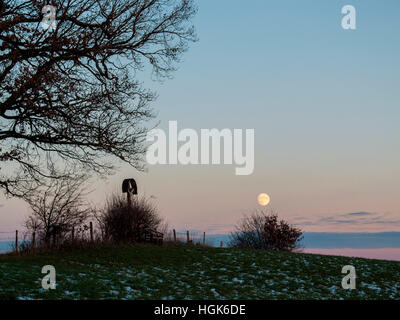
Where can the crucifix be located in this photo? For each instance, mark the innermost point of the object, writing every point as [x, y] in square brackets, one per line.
[130, 188]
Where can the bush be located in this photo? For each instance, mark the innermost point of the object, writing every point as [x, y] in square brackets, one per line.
[120, 222]
[57, 208]
[262, 230]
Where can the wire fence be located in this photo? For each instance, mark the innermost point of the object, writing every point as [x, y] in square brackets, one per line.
[7, 241]
[194, 236]
[7, 235]
[10, 235]
[182, 236]
[191, 236]
[15, 240]
[11, 239]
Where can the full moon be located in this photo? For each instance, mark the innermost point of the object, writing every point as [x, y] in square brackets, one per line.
[263, 199]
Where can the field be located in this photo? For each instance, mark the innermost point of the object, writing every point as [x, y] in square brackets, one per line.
[191, 272]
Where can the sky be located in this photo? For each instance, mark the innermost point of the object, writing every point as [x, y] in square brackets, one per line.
[324, 104]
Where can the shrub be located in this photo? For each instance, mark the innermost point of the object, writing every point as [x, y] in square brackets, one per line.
[57, 208]
[120, 222]
[262, 230]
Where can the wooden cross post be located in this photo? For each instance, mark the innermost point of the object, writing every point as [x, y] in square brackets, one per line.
[130, 188]
[129, 197]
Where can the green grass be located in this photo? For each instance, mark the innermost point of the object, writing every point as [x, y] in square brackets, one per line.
[185, 272]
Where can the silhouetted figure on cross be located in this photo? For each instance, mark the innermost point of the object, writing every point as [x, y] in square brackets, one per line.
[129, 187]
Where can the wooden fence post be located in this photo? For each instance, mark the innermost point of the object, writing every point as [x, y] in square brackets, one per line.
[33, 240]
[187, 236]
[16, 241]
[204, 238]
[174, 235]
[91, 231]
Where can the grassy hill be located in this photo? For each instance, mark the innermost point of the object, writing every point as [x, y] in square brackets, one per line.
[184, 272]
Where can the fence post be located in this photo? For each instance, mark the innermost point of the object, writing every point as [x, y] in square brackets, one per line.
[91, 231]
[33, 240]
[16, 241]
[204, 238]
[187, 236]
[73, 234]
[174, 235]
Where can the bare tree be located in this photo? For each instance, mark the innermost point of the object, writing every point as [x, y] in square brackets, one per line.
[263, 230]
[57, 208]
[71, 95]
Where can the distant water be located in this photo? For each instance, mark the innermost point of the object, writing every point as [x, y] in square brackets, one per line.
[379, 254]
[6, 246]
[318, 240]
[378, 246]
[381, 246]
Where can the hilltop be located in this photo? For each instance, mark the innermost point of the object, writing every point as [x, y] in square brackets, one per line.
[191, 272]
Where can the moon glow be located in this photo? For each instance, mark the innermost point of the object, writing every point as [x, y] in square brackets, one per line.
[263, 199]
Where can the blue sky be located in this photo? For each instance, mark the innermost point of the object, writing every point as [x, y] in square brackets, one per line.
[324, 103]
